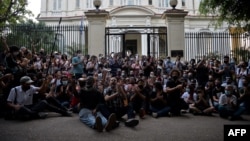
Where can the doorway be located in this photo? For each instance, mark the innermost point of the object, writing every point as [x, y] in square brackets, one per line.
[131, 45]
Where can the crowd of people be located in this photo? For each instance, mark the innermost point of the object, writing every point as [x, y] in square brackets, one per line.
[103, 89]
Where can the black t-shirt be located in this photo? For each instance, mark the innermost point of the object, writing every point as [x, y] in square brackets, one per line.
[90, 98]
[175, 95]
[158, 104]
[10, 61]
[63, 96]
[217, 92]
[147, 69]
[202, 75]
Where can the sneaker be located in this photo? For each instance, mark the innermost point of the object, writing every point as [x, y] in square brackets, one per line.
[111, 122]
[131, 122]
[155, 115]
[98, 124]
[170, 114]
[42, 115]
[67, 114]
[184, 111]
[117, 124]
[142, 113]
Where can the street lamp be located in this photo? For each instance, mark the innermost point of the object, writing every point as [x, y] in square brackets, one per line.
[173, 3]
[97, 4]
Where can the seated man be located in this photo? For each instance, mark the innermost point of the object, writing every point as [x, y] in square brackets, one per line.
[115, 104]
[90, 99]
[158, 102]
[201, 105]
[20, 100]
[228, 105]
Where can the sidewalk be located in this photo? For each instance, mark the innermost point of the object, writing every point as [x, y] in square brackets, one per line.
[55, 128]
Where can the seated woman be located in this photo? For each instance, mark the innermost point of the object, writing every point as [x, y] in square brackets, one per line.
[188, 96]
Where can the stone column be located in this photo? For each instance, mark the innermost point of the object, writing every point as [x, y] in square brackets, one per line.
[175, 28]
[96, 31]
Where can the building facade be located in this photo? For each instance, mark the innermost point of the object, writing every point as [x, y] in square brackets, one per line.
[129, 21]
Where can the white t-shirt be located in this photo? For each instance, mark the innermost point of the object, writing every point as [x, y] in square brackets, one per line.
[21, 97]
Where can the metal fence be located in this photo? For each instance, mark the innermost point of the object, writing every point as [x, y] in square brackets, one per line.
[217, 45]
[69, 38]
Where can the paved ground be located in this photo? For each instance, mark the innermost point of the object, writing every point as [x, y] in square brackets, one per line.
[55, 128]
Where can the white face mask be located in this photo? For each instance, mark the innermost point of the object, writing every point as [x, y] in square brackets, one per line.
[154, 90]
[64, 82]
[165, 76]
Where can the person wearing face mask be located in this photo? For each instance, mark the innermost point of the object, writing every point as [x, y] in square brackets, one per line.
[138, 98]
[241, 72]
[188, 96]
[216, 93]
[63, 94]
[20, 100]
[174, 89]
[244, 99]
[158, 102]
[226, 69]
[228, 107]
[77, 63]
[201, 105]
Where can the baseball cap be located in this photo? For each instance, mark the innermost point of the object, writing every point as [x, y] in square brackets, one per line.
[26, 79]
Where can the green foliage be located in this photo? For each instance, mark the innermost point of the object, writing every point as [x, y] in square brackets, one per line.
[13, 11]
[234, 12]
[28, 33]
[241, 53]
[216, 55]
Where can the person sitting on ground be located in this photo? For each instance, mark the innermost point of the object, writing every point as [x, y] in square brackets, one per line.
[137, 98]
[20, 100]
[174, 89]
[89, 114]
[228, 107]
[188, 95]
[216, 92]
[158, 101]
[115, 104]
[201, 105]
[244, 99]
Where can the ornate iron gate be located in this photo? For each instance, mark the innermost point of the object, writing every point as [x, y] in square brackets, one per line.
[151, 41]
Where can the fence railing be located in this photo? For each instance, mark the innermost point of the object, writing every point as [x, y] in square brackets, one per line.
[217, 45]
[74, 37]
[69, 37]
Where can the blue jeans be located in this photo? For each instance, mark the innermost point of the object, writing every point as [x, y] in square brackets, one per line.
[160, 112]
[119, 111]
[224, 112]
[87, 117]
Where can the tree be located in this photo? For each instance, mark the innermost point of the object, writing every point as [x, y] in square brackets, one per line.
[234, 12]
[13, 11]
[28, 32]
